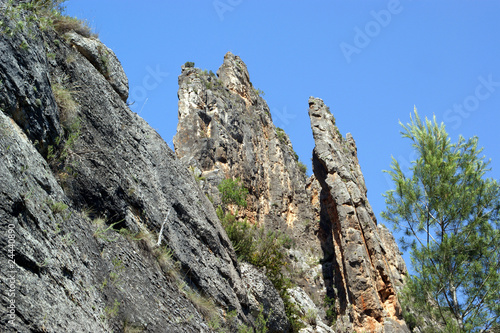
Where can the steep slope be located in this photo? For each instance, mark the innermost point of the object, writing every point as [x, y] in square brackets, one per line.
[77, 166]
[362, 259]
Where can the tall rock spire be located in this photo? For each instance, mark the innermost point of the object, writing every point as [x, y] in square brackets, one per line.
[363, 277]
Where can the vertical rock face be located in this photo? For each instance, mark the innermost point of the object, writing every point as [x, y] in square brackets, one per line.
[361, 260]
[225, 130]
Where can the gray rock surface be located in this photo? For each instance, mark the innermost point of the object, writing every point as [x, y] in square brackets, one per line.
[103, 59]
[263, 297]
[312, 315]
[25, 91]
[71, 273]
[67, 276]
[394, 256]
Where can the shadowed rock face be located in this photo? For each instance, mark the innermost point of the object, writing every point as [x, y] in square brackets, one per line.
[361, 260]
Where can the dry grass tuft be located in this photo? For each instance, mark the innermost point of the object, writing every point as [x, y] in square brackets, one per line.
[63, 24]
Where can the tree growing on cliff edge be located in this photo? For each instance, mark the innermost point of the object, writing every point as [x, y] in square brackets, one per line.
[449, 213]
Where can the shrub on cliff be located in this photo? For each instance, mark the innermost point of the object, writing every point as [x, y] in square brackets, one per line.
[43, 14]
[233, 192]
[257, 245]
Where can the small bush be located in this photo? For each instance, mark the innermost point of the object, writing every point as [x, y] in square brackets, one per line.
[233, 192]
[241, 234]
[112, 311]
[302, 167]
[102, 230]
[310, 316]
[189, 64]
[205, 305]
[280, 133]
[331, 312]
[261, 322]
[66, 103]
[57, 154]
[165, 258]
[259, 92]
[58, 207]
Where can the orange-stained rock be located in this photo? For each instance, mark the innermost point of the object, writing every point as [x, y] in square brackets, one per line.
[365, 263]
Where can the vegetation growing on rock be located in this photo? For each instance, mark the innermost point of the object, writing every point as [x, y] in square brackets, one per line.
[256, 245]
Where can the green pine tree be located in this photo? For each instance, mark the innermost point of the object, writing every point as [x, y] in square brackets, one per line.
[448, 211]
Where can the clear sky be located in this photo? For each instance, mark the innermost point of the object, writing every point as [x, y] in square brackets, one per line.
[370, 61]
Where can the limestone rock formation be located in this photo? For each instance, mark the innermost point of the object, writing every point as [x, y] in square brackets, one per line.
[364, 271]
[225, 130]
[109, 230]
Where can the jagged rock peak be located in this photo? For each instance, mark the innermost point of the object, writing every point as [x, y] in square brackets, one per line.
[363, 262]
[323, 124]
[234, 75]
[328, 139]
[234, 69]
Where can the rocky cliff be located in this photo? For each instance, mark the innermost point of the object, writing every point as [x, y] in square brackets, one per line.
[225, 130]
[106, 229]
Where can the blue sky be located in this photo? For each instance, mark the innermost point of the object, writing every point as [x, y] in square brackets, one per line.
[370, 61]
